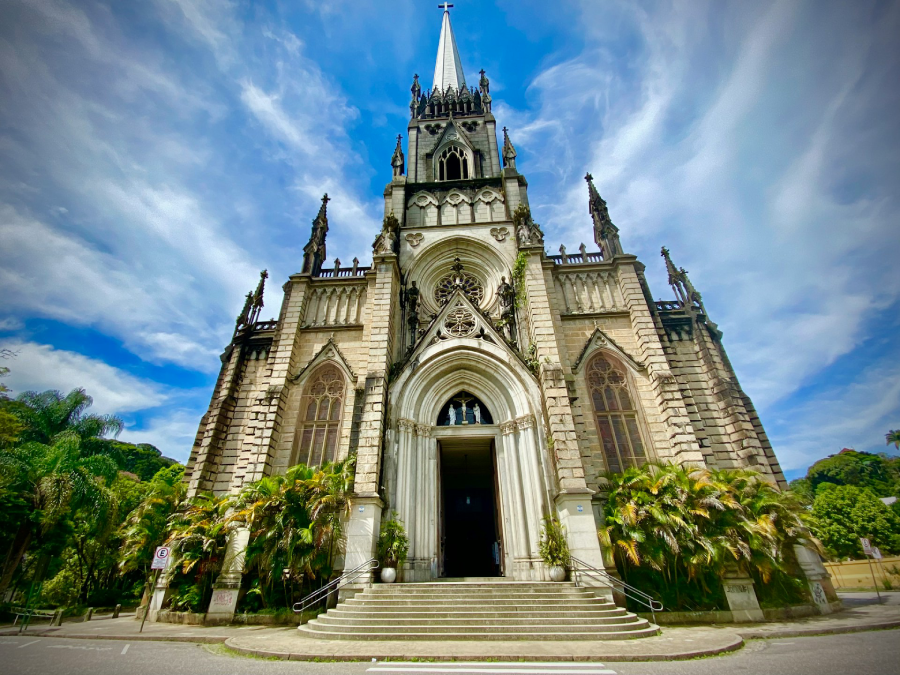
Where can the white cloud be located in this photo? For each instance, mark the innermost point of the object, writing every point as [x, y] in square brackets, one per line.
[172, 432]
[39, 367]
[839, 417]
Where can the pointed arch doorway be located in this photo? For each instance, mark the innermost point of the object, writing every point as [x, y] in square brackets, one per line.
[471, 538]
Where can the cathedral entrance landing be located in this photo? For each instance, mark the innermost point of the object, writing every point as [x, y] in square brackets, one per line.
[470, 535]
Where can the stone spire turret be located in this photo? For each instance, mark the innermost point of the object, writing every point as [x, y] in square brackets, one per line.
[687, 295]
[398, 160]
[448, 70]
[509, 152]
[314, 251]
[606, 235]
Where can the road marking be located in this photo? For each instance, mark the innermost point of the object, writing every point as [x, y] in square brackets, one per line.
[28, 643]
[515, 668]
[125, 649]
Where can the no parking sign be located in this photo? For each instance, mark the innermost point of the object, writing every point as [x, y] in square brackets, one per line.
[161, 558]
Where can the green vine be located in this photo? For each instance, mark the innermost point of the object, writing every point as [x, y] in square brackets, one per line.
[518, 278]
[531, 359]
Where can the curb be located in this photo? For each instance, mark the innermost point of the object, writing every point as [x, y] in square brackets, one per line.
[836, 630]
[736, 644]
[201, 639]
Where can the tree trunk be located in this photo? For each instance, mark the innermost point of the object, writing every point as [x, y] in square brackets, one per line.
[19, 546]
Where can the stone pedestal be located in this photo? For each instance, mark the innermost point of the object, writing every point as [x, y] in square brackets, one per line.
[363, 527]
[228, 586]
[576, 516]
[820, 585]
[159, 596]
[741, 596]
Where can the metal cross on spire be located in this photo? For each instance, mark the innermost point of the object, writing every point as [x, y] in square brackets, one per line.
[446, 7]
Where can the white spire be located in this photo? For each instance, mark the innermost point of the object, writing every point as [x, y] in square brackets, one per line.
[448, 71]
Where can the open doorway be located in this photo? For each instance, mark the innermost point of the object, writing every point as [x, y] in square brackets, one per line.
[471, 539]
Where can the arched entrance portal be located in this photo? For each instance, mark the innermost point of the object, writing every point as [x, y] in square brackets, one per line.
[471, 535]
[471, 487]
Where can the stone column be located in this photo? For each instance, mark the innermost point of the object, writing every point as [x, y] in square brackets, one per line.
[819, 580]
[510, 496]
[741, 596]
[227, 587]
[366, 505]
[531, 482]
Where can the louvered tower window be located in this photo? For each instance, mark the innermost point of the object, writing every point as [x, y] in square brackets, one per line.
[615, 415]
[320, 416]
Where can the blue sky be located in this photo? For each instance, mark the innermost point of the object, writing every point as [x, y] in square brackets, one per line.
[157, 155]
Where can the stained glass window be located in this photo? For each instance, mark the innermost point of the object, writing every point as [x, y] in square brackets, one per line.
[615, 415]
[320, 417]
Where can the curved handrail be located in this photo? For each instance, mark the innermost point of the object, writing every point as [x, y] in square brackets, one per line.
[334, 585]
[628, 590]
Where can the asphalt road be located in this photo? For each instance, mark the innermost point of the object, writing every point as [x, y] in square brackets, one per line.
[873, 653]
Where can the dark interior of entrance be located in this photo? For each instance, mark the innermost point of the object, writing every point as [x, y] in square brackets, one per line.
[471, 542]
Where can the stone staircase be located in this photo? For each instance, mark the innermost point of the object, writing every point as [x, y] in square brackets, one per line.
[495, 610]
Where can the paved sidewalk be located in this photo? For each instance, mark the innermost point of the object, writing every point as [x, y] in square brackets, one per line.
[675, 642]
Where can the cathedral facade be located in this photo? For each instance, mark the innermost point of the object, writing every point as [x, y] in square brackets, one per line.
[481, 383]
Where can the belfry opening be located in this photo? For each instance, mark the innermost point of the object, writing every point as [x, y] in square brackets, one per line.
[470, 534]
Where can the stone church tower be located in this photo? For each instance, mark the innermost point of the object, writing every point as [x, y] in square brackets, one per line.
[481, 383]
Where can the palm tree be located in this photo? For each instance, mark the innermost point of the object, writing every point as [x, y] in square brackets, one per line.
[893, 437]
[198, 535]
[60, 462]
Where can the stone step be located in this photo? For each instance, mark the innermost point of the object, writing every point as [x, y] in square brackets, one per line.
[340, 610]
[473, 621]
[628, 634]
[452, 602]
[483, 627]
[486, 594]
[467, 585]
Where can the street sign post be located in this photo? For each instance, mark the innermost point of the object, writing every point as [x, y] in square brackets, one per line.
[869, 550]
[160, 562]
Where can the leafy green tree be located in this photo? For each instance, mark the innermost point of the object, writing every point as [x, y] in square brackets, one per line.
[143, 459]
[844, 513]
[861, 469]
[59, 464]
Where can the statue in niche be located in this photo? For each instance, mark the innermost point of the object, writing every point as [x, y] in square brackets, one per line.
[476, 409]
[451, 415]
[412, 298]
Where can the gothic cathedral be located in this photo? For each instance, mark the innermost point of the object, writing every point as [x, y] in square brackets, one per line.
[481, 383]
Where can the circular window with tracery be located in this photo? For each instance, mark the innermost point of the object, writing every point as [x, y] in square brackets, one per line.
[471, 287]
[459, 322]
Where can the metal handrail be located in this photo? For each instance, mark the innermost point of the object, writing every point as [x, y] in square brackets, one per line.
[628, 590]
[334, 585]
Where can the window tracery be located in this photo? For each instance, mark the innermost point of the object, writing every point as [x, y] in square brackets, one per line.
[320, 416]
[453, 164]
[471, 287]
[615, 415]
[459, 322]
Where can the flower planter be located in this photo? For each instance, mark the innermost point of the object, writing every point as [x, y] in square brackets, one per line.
[388, 575]
[557, 573]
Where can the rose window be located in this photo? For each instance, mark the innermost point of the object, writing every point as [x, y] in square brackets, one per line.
[459, 322]
[470, 286]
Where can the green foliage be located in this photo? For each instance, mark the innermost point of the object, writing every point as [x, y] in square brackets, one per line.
[879, 473]
[518, 277]
[295, 523]
[841, 514]
[675, 530]
[393, 544]
[892, 437]
[143, 459]
[554, 548]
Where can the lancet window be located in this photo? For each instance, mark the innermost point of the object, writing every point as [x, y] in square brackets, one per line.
[615, 415]
[453, 164]
[320, 416]
[464, 408]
